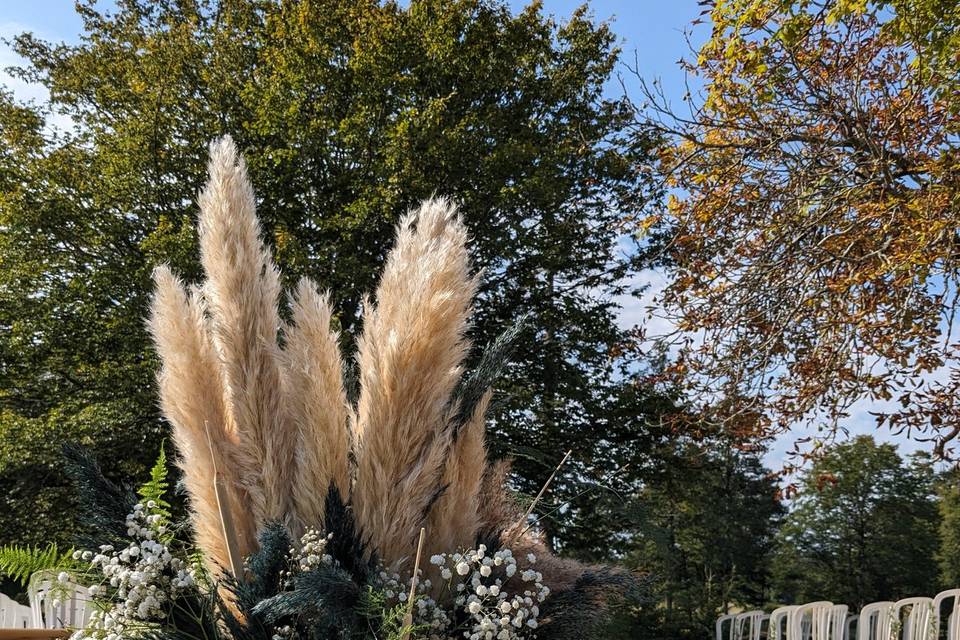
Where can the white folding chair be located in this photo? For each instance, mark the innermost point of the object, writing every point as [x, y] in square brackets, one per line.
[13, 615]
[953, 618]
[838, 621]
[749, 625]
[56, 605]
[722, 620]
[876, 621]
[917, 625]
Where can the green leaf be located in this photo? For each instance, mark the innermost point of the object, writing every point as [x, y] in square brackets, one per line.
[20, 562]
[154, 491]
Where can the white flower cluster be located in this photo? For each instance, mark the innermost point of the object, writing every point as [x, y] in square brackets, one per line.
[502, 599]
[426, 610]
[137, 580]
[499, 599]
[312, 552]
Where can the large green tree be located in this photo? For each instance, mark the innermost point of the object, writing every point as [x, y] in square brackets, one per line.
[704, 528]
[948, 553]
[863, 529]
[348, 112]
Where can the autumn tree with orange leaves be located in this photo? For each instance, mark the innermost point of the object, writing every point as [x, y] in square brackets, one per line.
[812, 238]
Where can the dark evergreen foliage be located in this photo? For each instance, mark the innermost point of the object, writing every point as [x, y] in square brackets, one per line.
[493, 362]
[104, 505]
[322, 600]
[346, 544]
[265, 567]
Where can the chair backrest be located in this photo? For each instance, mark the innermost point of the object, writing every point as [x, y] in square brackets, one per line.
[722, 620]
[853, 621]
[57, 605]
[918, 624]
[953, 618]
[13, 615]
[813, 621]
[838, 621]
[781, 619]
[749, 625]
[876, 621]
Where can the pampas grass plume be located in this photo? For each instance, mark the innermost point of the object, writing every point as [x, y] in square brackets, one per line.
[318, 406]
[410, 357]
[191, 397]
[242, 291]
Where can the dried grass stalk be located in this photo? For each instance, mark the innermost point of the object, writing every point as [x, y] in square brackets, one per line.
[318, 406]
[501, 513]
[242, 291]
[410, 357]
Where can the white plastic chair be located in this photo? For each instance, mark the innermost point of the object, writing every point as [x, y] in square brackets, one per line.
[953, 618]
[875, 621]
[838, 621]
[719, 626]
[13, 615]
[850, 633]
[918, 623]
[56, 605]
[749, 625]
[781, 619]
[813, 620]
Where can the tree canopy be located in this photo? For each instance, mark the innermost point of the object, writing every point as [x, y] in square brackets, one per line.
[705, 531]
[811, 234]
[864, 528]
[348, 113]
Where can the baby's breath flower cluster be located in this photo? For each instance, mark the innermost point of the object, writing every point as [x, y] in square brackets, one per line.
[136, 582]
[427, 613]
[312, 551]
[309, 554]
[499, 599]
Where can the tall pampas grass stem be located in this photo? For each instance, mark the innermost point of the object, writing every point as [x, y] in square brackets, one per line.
[234, 555]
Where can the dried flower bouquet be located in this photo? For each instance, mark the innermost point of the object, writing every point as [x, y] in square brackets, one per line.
[318, 516]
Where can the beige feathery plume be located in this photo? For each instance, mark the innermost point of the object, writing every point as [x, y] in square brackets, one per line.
[242, 292]
[410, 358]
[191, 397]
[318, 406]
[455, 518]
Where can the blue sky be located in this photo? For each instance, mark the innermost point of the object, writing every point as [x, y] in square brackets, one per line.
[651, 33]
[651, 28]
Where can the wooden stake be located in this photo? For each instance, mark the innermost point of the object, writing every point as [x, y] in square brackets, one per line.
[408, 617]
[543, 490]
[226, 516]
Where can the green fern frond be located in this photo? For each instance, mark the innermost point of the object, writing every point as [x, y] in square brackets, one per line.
[387, 621]
[156, 488]
[20, 562]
